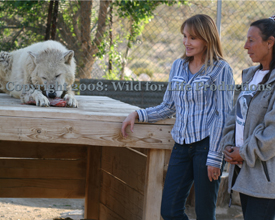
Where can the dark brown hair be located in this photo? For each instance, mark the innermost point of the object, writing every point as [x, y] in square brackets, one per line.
[267, 29]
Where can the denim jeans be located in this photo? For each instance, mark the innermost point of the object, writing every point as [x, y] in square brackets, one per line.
[257, 208]
[187, 165]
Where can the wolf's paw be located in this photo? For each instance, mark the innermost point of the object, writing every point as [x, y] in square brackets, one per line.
[36, 98]
[42, 101]
[5, 59]
[71, 101]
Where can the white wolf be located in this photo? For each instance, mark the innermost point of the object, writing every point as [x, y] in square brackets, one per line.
[41, 70]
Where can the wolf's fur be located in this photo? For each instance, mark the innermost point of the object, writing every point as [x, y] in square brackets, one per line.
[41, 63]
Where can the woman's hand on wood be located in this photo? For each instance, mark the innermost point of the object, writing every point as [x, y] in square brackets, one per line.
[130, 120]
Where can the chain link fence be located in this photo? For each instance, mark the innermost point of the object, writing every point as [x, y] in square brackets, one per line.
[103, 39]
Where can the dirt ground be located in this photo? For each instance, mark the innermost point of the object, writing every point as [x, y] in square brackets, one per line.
[46, 209]
[49, 209]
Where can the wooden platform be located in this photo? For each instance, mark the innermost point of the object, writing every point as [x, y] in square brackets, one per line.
[59, 152]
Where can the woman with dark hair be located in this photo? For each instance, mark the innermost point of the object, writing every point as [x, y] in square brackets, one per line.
[200, 116]
[249, 133]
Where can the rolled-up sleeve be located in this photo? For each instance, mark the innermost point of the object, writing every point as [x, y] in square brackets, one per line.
[166, 108]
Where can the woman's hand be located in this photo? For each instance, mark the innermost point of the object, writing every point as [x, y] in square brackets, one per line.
[213, 173]
[232, 155]
[130, 120]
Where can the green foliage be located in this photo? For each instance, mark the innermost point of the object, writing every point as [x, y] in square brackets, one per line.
[20, 7]
[112, 53]
[111, 76]
[24, 22]
[140, 12]
[21, 23]
[141, 9]
[139, 71]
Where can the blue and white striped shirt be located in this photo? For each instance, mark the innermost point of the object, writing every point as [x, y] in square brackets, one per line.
[200, 110]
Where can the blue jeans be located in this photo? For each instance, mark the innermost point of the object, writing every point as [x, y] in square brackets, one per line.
[257, 208]
[187, 165]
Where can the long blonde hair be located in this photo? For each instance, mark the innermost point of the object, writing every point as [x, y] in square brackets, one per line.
[203, 27]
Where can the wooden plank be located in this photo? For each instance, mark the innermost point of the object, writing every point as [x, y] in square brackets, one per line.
[87, 104]
[42, 169]
[153, 184]
[93, 181]
[90, 108]
[126, 164]
[40, 188]
[107, 214]
[141, 150]
[6, 98]
[41, 150]
[84, 132]
[88, 114]
[120, 198]
[64, 114]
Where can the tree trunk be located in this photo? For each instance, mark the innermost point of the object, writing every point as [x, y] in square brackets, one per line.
[85, 13]
[92, 49]
[111, 38]
[129, 45]
[55, 14]
[85, 36]
[47, 36]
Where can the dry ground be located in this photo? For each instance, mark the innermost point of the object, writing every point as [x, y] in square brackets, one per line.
[48, 209]
[38, 209]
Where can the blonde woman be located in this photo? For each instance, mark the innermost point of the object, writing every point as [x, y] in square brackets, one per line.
[201, 105]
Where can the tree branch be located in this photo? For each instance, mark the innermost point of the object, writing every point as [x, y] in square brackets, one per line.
[11, 27]
[75, 25]
[65, 31]
[102, 14]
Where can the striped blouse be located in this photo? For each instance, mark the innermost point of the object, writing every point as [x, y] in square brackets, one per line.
[200, 103]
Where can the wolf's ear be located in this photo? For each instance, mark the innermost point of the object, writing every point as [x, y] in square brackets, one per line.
[68, 56]
[33, 56]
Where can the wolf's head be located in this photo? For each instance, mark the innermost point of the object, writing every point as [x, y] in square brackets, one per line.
[52, 70]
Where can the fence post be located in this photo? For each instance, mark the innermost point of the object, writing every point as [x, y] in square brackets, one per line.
[219, 16]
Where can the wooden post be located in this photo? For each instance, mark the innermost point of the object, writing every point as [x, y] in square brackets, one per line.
[153, 184]
[93, 180]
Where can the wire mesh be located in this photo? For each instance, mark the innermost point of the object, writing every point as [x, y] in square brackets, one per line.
[103, 47]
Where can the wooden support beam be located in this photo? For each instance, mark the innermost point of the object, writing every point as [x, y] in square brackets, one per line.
[153, 184]
[93, 181]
